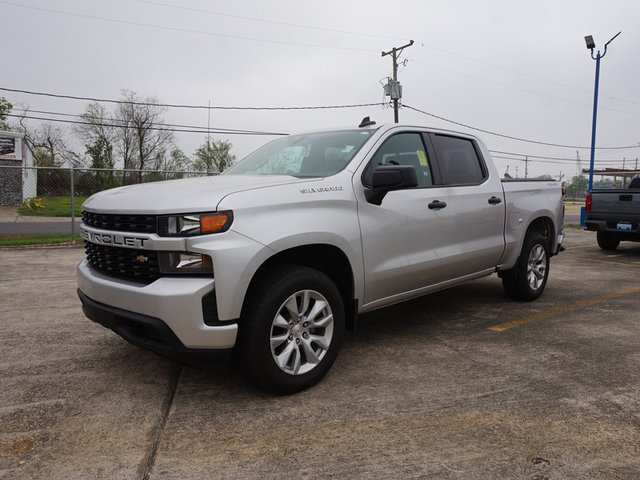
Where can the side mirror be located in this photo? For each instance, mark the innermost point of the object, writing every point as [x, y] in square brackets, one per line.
[388, 178]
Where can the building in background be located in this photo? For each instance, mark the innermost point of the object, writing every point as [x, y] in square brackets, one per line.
[17, 181]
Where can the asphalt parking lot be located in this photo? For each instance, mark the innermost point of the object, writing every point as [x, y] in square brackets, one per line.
[461, 384]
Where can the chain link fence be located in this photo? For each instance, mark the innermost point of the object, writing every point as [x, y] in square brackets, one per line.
[43, 204]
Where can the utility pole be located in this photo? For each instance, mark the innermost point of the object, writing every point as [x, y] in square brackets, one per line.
[209, 124]
[526, 166]
[394, 90]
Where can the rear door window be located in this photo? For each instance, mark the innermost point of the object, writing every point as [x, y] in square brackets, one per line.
[459, 161]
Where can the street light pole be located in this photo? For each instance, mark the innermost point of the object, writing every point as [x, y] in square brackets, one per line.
[591, 46]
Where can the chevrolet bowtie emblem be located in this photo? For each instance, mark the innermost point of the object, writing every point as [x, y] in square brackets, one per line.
[142, 258]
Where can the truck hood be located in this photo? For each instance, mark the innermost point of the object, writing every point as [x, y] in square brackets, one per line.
[189, 195]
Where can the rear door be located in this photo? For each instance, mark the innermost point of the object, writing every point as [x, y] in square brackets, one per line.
[475, 203]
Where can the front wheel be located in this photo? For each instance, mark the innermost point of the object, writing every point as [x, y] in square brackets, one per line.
[526, 281]
[292, 329]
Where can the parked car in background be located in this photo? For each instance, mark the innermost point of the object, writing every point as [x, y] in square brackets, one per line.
[614, 214]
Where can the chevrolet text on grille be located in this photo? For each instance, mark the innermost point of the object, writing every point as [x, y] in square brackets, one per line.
[113, 239]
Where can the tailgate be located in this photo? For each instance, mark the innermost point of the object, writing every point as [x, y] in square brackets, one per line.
[620, 209]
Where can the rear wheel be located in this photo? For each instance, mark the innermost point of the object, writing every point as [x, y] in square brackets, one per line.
[292, 329]
[607, 241]
[526, 281]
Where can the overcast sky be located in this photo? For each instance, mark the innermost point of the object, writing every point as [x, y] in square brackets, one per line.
[515, 68]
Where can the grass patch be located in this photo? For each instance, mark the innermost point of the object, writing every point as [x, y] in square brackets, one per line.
[52, 207]
[40, 239]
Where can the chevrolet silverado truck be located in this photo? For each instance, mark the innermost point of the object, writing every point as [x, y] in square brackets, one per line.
[277, 256]
[614, 214]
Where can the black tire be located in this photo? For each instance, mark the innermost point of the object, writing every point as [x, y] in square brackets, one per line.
[526, 281]
[292, 329]
[607, 241]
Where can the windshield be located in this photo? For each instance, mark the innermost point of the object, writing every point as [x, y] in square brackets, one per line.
[308, 155]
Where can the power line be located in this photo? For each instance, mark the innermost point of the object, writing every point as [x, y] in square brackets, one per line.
[554, 162]
[322, 107]
[310, 27]
[510, 137]
[171, 105]
[177, 130]
[535, 77]
[181, 30]
[542, 157]
[109, 119]
[370, 35]
[260, 20]
[505, 85]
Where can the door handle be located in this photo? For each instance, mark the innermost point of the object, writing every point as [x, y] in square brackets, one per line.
[495, 200]
[437, 205]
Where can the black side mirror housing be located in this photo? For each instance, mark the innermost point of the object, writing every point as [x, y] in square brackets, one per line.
[388, 178]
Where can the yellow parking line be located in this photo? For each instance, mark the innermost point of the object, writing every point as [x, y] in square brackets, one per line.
[559, 311]
[602, 261]
[581, 246]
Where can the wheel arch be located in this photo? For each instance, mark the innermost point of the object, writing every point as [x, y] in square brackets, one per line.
[543, 225]
[328, 259]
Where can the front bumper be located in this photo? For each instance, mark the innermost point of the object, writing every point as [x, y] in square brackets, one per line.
[169, 311]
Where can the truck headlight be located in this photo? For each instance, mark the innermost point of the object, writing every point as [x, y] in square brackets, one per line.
[185, 263]
[189, 225]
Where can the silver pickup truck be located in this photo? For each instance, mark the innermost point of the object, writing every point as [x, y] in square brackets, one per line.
[278, 255]
[614, 214]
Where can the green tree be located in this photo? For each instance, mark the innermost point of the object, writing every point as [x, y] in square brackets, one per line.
[578, 186]
[101, 155]
[5, 109]
[213, 156]
[97, 133]
[168, 167]
[176, 162]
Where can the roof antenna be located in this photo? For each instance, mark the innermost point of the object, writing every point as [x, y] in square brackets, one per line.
[366, 122]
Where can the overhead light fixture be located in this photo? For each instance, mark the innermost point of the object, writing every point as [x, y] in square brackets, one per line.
[590, 43]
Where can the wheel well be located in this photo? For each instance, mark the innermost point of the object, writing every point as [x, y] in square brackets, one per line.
[329, 260]
[544, 225]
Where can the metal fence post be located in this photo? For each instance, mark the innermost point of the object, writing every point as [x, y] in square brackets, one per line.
[73, 210]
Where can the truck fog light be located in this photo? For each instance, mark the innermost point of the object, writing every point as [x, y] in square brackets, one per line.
[185, 263]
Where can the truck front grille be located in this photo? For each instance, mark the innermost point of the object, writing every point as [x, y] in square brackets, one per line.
[121, 223]
[141, 265]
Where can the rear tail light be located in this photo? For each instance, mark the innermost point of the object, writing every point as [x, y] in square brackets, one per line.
[588, 204]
